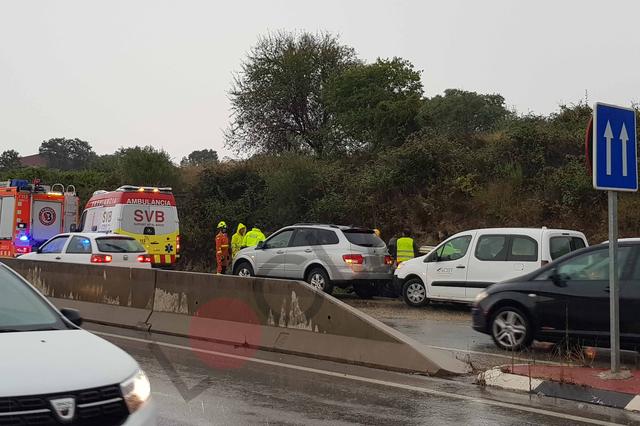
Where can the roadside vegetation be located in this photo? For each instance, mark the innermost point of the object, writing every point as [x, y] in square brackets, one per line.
[322, 135]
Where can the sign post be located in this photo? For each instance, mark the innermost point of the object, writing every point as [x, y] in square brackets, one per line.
[615, 168]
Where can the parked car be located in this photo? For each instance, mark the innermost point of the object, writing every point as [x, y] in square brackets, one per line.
[93, 248]
[567, 298]
[325, 256]
[463, 265]
[53, 372]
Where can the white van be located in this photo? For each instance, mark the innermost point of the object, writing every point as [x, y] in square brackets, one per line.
[460, 267]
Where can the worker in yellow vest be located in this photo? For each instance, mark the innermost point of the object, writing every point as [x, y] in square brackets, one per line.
[236, 239]
[253, 237]
[404, 248]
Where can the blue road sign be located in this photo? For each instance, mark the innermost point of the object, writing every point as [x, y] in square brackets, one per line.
[615, 164]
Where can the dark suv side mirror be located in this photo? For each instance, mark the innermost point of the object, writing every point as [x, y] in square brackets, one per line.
[73, 315]
[558, 279]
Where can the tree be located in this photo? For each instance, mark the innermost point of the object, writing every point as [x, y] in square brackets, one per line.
[67, 154]
[201, 157]
[462, 113]
[376, 104]
[9, 160]
[277, 99]
[146, 166]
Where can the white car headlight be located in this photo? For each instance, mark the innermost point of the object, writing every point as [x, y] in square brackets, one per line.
[136, 390]
[481, 296]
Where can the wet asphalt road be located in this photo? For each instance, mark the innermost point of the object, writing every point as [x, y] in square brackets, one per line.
[282, 390]
[448, 327]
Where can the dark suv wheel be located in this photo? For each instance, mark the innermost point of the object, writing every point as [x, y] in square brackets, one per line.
[414, 293]
[318, 278]
[511, 329]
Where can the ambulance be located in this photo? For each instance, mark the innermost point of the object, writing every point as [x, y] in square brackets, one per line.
[31, 213]
[145, 213]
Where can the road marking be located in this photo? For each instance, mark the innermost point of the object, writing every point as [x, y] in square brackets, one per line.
[370, 381]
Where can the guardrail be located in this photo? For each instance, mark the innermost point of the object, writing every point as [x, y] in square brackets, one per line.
[278, 315]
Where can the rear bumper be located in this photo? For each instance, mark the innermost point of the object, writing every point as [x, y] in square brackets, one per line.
[347, 274]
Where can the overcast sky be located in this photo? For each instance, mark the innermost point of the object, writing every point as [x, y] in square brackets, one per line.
[152, 72]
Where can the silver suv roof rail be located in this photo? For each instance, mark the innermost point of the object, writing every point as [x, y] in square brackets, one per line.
[315, 224]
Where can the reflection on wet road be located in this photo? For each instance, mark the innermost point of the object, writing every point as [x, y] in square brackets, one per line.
[277, 389]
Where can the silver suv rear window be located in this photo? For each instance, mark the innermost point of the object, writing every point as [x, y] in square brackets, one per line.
[119, 245]
[363, 238]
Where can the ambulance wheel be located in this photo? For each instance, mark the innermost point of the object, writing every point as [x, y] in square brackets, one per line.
[243, 269]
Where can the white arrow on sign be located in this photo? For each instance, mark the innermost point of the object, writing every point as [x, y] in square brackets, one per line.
[624, 138]
[608, 135]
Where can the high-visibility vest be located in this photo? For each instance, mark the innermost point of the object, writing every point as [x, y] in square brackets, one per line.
[404, 249]
[253, 237]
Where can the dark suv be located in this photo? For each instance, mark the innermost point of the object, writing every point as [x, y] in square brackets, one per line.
[569, 298]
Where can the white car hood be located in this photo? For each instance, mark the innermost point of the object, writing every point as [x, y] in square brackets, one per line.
[410, 266]
[42, 362]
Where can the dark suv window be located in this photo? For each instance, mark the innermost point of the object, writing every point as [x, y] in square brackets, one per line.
[314, 237]
[363, 237]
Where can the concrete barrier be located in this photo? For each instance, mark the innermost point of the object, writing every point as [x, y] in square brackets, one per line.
[291, 317]
[278, 315]
[103, 294]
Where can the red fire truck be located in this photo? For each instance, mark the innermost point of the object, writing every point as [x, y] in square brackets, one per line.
[31, 213]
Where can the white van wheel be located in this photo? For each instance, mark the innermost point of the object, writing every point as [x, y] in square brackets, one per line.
[415, 293]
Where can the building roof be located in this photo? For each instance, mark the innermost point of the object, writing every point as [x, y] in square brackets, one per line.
[35, 160]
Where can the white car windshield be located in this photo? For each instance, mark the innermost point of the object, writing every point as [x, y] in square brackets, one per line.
[21, 309]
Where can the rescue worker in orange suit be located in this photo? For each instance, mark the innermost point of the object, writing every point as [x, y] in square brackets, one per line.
[223, 254]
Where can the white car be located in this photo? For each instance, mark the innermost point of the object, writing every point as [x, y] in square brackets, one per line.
[53, 372]
[463, 265]
[93, 248]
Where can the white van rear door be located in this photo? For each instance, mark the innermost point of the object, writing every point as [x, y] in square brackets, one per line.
[557, 243]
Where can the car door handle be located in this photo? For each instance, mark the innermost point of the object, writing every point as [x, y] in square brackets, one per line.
[280, 252]
[308, 250]
[460, 267]
[58, 258]
[607, 290]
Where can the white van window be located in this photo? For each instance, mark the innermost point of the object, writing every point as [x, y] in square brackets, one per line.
[454, 249]
[523, 249]
[137, 219]
[492, 248]
[559, 246]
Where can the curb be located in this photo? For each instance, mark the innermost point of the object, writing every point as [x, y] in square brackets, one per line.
[497, 378]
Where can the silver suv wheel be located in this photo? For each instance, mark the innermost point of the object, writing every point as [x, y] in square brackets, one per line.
[317, 280]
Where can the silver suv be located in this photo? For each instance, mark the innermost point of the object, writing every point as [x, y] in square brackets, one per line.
[322, 255]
